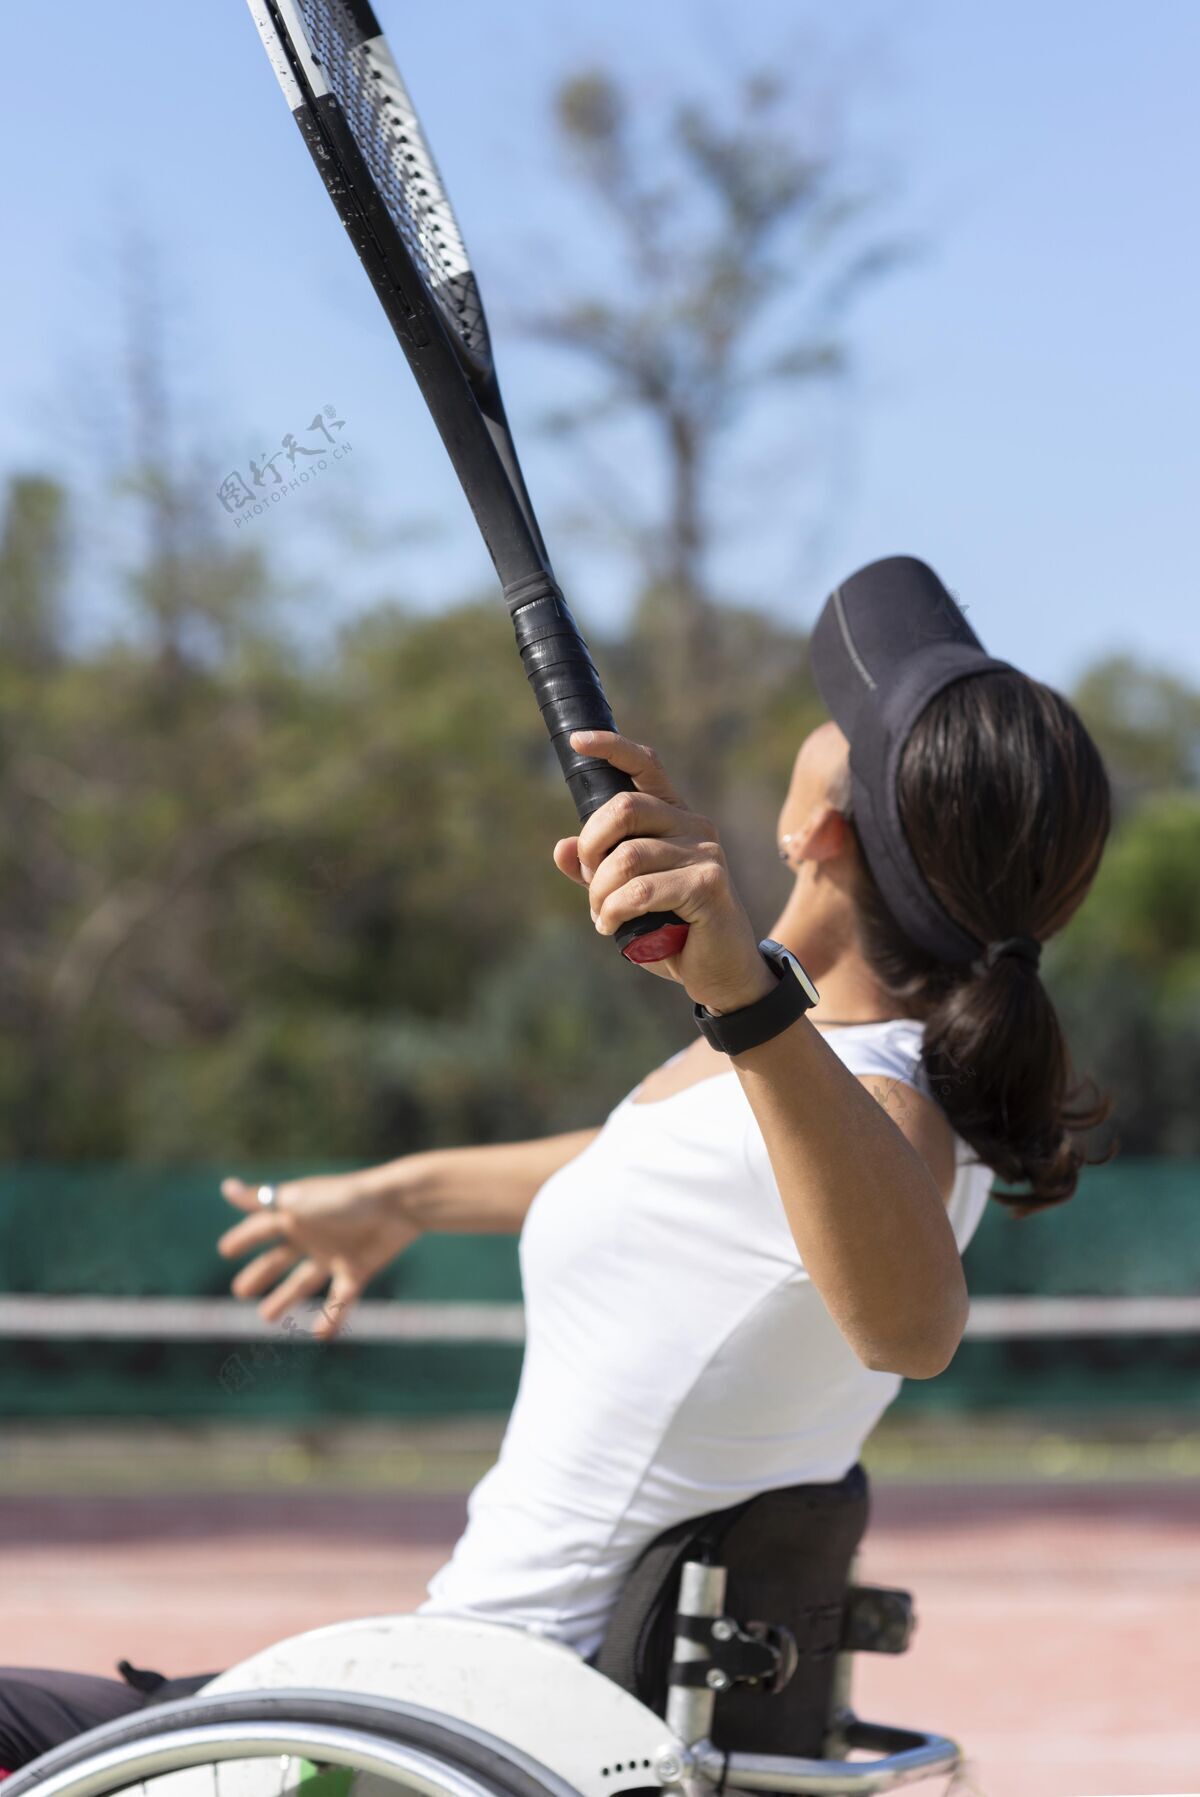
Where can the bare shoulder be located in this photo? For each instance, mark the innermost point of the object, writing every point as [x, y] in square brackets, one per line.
[921, 1122]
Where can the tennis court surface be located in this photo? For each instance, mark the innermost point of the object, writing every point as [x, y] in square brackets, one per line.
[1058, 1630]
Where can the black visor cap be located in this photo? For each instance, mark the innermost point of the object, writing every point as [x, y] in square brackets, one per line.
[888, 640]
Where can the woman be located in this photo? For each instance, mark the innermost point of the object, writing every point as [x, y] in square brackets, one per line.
[726, 1283]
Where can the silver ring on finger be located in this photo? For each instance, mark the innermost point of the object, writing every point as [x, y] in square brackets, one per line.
[266, 1197]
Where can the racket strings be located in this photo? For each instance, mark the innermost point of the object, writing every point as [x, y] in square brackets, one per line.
[367, 85]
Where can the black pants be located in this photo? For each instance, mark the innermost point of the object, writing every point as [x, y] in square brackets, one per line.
[41, 1709]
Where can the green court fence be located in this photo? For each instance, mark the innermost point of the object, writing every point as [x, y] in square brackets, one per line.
[116, 1304]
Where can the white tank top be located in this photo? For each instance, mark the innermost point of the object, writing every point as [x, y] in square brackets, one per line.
[678, 1358]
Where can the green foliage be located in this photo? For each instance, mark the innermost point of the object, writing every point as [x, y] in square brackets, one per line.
[254, 908]
[1127, 975]
[32, 554]
[257, 909]
[1145, 906]
[260, 909]
[1146, 722]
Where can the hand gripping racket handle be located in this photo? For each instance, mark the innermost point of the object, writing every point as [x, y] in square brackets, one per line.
[570, 697]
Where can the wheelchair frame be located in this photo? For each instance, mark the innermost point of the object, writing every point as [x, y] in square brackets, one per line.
[488, 1711]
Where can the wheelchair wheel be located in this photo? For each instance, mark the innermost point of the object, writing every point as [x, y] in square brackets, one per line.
[269, 1743]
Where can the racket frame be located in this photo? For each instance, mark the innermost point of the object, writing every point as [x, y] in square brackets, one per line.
[463, 398]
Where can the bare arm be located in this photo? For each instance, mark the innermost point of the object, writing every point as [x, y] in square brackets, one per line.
[861, 1202]
[334, 1232]
[863, 1207]
[477, 1191]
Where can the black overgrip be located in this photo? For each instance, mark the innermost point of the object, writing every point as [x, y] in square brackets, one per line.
[566, 685]
[570, 697]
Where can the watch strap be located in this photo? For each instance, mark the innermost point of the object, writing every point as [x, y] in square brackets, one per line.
[736, 1031]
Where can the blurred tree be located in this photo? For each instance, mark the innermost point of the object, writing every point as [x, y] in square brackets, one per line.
[738, 249]
[1146, 722]
[238, 923]
[32, 561]
[35, 785]
[1144, 909]
[131, 779]
[198, 599]
[258, 908]
[1126, 975]
[241, 924]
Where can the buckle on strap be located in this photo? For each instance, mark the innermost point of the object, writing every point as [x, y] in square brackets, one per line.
[758, 1654]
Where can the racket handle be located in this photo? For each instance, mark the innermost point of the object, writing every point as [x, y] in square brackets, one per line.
[655, 937]
[570, 697]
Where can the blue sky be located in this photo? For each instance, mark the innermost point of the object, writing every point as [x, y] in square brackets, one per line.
[1023, 410]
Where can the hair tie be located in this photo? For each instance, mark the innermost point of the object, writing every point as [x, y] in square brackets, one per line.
[1026, 948]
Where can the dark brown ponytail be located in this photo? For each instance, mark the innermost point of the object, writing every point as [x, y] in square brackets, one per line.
[1006, 805]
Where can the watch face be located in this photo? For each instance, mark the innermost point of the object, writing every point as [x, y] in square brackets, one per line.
[784, 958]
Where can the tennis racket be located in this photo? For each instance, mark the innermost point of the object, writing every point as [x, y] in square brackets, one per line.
[354, 113]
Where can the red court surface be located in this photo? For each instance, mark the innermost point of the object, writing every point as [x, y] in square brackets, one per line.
[1059, 1633]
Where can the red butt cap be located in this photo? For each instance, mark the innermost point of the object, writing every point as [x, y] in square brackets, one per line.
[658, 945]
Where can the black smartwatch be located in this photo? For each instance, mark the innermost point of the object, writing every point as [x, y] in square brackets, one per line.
[736, 1031]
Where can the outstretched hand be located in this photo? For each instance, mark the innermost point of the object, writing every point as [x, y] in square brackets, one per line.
[645, 851]
[329, 1234]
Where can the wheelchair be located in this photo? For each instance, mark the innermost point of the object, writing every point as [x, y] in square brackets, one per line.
[725, 1669]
